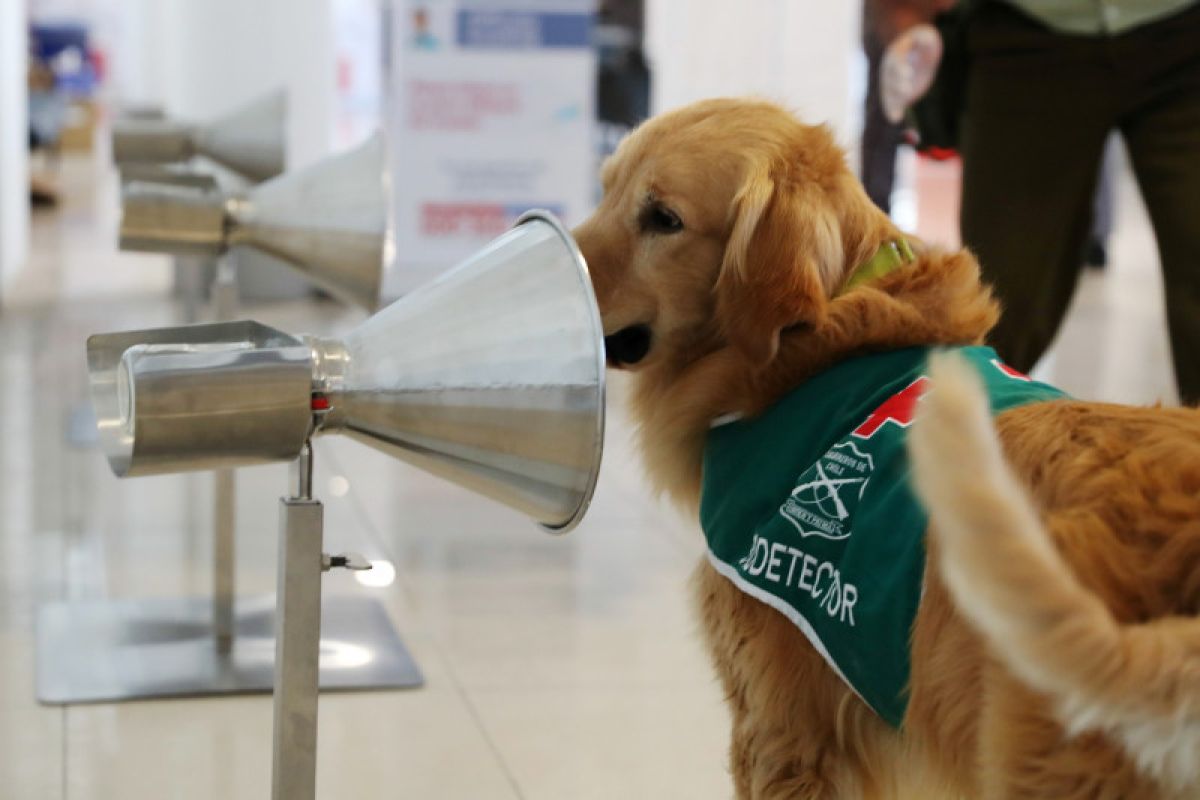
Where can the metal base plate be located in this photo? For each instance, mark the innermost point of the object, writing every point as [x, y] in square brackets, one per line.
[103, 651]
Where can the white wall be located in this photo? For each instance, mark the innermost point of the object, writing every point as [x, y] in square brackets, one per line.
[14, 142]
[802, 53]
[145, 71]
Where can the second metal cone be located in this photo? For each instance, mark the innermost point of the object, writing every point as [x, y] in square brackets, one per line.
[329, 220]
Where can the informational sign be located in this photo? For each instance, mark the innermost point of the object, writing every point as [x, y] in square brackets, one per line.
[491, 114]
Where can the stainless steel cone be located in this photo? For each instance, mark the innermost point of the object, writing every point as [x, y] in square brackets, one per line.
[491, 377]
[250, 141]
[329, 221]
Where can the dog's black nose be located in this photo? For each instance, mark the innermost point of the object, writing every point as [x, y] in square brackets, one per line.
[628, 345]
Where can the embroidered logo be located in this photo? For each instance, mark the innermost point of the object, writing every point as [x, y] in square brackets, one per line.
[827, 493]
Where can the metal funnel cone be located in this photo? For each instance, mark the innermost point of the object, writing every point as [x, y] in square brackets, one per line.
[329, 220]
[491, 376]
[250, 141]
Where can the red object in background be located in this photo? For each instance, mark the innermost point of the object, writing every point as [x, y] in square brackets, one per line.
[932, 153]
[475, 219]
[938, 153]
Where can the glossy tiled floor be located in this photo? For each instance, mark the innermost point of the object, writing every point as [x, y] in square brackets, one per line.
[556, 668]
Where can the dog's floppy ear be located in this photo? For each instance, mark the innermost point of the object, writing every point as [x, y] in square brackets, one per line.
[784, 255]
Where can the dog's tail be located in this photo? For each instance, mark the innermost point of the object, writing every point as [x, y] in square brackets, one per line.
[1140, 683]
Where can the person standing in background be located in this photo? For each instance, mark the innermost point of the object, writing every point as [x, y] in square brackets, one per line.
[1047, 81]
[882, 135]
[881, 138]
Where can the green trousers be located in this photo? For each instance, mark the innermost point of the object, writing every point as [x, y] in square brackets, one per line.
[1039, 107]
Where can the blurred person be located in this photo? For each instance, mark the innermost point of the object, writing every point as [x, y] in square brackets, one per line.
[881, 137]
[1047, 82]
[883, 132]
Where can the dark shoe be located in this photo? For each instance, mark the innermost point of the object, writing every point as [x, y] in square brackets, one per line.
[1096, 256]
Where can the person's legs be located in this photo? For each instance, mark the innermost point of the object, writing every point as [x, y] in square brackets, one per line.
[1038, 111]
[1162, 133]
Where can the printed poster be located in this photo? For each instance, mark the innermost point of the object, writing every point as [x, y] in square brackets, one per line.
[491, 114]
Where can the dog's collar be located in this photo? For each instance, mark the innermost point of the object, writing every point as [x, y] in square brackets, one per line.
[890, 255]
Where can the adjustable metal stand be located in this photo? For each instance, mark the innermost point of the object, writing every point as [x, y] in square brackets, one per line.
[298, 646]
[111, 650]
[193, 276]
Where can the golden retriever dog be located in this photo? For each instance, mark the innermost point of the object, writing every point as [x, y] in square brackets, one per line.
[1054, 652]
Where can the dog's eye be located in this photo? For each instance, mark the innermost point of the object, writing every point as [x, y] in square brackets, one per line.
[657, 218]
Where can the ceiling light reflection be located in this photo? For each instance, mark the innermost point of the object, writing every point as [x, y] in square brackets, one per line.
[382, 573]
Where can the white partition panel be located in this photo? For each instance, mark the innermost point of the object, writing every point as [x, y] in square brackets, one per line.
[802, 53]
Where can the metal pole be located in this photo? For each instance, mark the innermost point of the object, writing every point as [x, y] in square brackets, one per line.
[297, 641]
[225, 302]
[191, 274]
[224, 576]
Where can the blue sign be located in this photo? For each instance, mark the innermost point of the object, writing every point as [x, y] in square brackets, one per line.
[523, 30]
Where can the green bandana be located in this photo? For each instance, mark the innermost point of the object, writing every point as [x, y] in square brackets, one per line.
[807, 508]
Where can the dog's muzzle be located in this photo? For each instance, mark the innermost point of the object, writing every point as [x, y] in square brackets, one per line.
[628, 345]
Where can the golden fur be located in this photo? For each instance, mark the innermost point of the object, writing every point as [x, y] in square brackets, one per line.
[1059, 659]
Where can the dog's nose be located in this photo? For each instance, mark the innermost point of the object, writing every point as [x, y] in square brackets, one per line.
[628, 345]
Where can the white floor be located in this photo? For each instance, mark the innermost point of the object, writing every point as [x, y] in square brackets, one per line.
[556, 667]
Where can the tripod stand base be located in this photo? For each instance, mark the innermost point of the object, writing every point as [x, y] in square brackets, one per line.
[106, 651]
